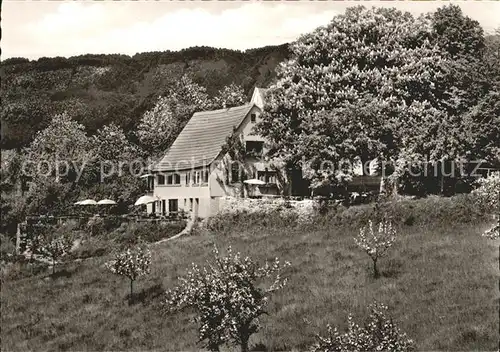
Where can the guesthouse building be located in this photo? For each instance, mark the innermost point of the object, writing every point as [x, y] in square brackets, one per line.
[199, 170]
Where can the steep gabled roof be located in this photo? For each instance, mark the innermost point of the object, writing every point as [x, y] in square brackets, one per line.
[201, 140]
[259, 95]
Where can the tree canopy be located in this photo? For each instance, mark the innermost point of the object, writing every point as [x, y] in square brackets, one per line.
[379, 83]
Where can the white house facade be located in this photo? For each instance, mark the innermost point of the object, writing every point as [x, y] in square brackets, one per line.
[196, 174]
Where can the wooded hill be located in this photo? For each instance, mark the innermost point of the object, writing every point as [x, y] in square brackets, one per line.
[101, 89]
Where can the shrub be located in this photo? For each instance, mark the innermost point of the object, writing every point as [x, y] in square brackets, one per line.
[266, 214]
[488, 191]
[92, 247]
[20, 268]
[446, 210]
[147, 231]
[488, 195]
[95, 225]
[376, 242]
[226, 298]
[228, 221]
[262, 213]
[132, 263]
[7, 247]
[380, 333]
[35, 235]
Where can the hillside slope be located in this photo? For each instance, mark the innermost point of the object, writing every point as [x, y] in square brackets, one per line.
[440, 282]
[100, 89]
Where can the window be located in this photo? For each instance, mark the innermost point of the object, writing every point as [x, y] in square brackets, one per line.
[173, 179]
[188, 178]
[261, 175]
[272, 177]
[254, 148]
[235, 172]
[151, 183]
[267, 176]
[163, 207]
[205, 176]
[253, 117]
[196, 177]
[161, 179]
[177, 179]
[173, 205]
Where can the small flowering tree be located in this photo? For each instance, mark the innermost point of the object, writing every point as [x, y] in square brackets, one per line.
[132, 263]
[489, 198]
[227, 298]
[376, 242]
[380, 333]
[54, 247]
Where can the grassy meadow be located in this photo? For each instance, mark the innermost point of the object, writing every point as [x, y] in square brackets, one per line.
[440, 281]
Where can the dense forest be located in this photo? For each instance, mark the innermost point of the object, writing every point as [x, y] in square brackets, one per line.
[98, 90]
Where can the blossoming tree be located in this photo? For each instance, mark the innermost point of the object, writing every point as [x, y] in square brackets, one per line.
[380, 333]
[376, 242]
[131, 263]
[161, 124]
[54, 246]
[227, 297]
[345, 89]
[157, 126]
[61, 146]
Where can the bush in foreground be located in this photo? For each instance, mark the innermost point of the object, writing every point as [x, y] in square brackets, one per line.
[380, 333]
[227, 298]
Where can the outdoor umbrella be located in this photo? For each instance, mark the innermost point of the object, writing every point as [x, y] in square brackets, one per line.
[145, 200]
[87, 202]
[254, 181]
[78, 203]
[146, 175]
[106, 202]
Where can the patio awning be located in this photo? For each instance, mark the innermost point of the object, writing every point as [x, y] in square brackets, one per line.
[87, 202]
[145, 200]
[106, 202]
[254, 181]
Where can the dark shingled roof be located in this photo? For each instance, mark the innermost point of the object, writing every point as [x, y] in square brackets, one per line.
[201, 140]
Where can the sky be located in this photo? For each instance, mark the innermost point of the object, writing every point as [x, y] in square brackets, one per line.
[36, 29]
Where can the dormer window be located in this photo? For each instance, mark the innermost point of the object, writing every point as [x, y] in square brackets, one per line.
[253, 117]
